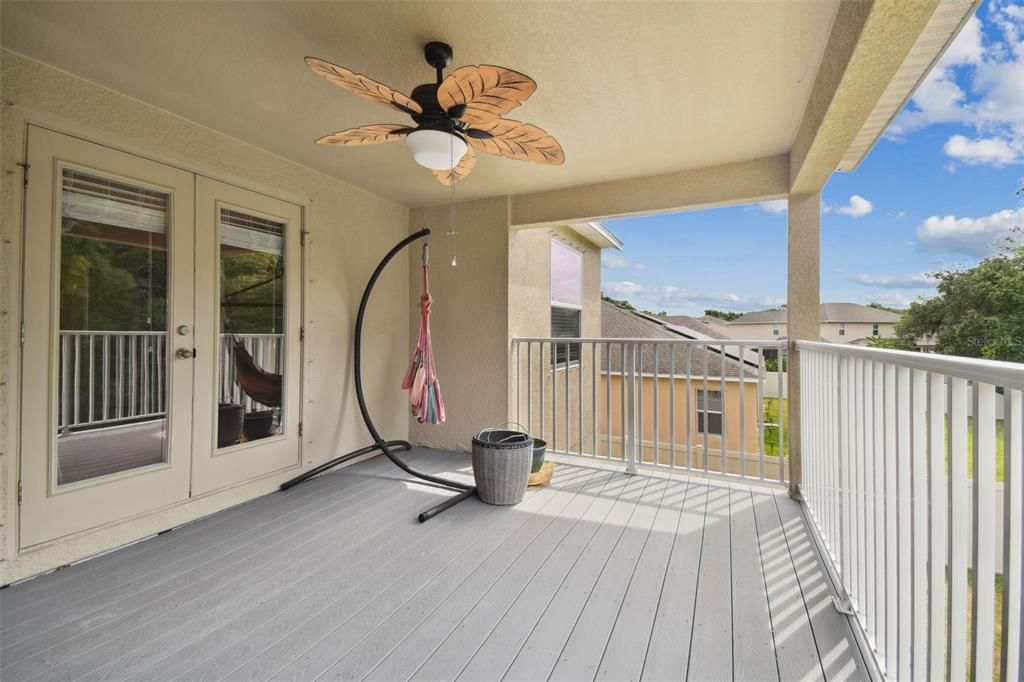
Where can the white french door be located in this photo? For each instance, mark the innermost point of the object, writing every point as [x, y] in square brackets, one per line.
[161, 336]
[246, 405]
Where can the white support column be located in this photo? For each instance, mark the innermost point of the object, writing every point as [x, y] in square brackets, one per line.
[803, 292]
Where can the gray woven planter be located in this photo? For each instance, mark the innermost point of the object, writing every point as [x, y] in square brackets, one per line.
[501, 465]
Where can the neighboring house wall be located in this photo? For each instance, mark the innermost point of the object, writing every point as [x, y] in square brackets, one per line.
[350, 230]
[530, 315]
[829, 331]
[688, 451]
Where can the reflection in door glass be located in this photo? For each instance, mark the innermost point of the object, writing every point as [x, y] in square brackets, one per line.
[251, 328]
[113, 327]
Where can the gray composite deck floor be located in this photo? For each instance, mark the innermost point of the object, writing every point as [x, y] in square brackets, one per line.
[598, 576]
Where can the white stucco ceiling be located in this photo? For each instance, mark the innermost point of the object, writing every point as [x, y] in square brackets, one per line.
[629, 88]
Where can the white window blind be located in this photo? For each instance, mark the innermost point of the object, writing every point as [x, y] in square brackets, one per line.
[251, 232]
[95, 199]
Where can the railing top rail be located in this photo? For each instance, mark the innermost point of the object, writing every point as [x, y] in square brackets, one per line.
[717, 343]
[996, 372]
[103, 332]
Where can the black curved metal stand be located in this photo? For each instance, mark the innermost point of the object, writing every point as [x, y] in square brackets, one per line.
[464, 490]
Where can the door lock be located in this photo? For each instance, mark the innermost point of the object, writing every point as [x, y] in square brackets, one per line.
[183, 330]
[184, 353]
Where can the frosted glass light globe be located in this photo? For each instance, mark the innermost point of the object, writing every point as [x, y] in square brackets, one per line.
[436, 149]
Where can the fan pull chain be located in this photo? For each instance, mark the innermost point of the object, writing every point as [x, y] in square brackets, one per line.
[451, 229]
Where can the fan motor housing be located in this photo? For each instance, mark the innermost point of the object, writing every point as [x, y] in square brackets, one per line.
[433, 116]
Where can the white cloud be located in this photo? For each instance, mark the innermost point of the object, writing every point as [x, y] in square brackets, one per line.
[898, 281]
[990, 151]
[857, 206]
[616, 261]
[970, 236]
[992, 104]
[664, 297]
[777, 206]
[892, 299]
[898, 215]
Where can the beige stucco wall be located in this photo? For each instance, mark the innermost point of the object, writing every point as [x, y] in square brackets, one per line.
[757, 331]
[349, 231]
[469, 318]
[530, 316]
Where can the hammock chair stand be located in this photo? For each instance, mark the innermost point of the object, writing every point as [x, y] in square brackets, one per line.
[464, 490]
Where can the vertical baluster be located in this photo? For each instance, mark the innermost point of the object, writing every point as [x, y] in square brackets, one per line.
[903, 420]
[845, 517]
[608, 397]
[106, 378]
[878, 504]
[938, 506]
[891, 457]
[554, 396]
[120, 375]
[657, 389]
[743, 421]
[518, 370]
[859, 487]
[724, 437]
[594, 393]
[707, 351]
[983, 614]
[760, 411]
[65, 380]
[541, 369]
[638, 423]
[78, 377]
[579, 406]
[1013, 524]
[132, 375]
[919, 524]
[529, 388]
[672, 405]
[92, 377]
[782, 421]
[689, 406]
[622, 401]
[568, 400]
[959, 531]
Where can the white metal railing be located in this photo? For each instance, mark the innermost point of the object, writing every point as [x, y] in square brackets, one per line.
[900, 455]
[108, 377]
[695, 405]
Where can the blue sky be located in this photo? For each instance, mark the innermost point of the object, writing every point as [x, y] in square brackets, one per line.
[936, 192]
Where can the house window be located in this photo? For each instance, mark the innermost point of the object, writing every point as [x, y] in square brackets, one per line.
[566, 300]
[775, 331]
[842, 329]
[874, 329]
[709, 407]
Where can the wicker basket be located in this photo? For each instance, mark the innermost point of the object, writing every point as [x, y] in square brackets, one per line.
[501, 465]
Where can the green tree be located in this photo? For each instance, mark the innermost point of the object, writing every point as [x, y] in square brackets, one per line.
[727, 315]
[978, 312]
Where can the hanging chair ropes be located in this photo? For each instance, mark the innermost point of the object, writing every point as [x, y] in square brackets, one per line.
[464, 490]
[421, 379]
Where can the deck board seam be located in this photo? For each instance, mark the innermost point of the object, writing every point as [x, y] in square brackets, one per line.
[696, 585]
[764, 578]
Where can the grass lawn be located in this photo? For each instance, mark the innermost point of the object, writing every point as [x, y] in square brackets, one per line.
[771, 436]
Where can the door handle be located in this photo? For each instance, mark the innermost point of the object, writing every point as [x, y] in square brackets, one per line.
[184, 353]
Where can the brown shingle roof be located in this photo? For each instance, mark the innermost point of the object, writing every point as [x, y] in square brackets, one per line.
[683, 359]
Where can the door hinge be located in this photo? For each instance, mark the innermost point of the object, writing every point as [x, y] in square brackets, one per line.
[302, 333]
[22, 334]
[302, 238]
[300, 428]
[26, 166]
[19, 493]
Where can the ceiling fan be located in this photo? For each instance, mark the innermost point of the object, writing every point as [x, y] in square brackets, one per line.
[453, 116]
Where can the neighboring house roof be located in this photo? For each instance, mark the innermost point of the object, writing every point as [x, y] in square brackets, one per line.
[830, 312]
[692, 323]
[619, 323]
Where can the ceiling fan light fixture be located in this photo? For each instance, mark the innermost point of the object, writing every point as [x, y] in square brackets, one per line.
[436, 149]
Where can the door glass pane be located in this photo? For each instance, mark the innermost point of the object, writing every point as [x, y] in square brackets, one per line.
[113, 327]
[251, 358]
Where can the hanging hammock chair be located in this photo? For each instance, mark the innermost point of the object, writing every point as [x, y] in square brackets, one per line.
[260, 385]
[421, 379]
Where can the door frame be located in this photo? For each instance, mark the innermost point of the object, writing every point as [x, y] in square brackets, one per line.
[18, 120]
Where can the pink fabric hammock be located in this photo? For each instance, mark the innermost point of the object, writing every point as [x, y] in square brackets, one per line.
[421, 379]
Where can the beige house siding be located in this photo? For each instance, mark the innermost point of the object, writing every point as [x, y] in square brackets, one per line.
[734, 425]
[530, 315]
[828, 331]
[349, 228]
